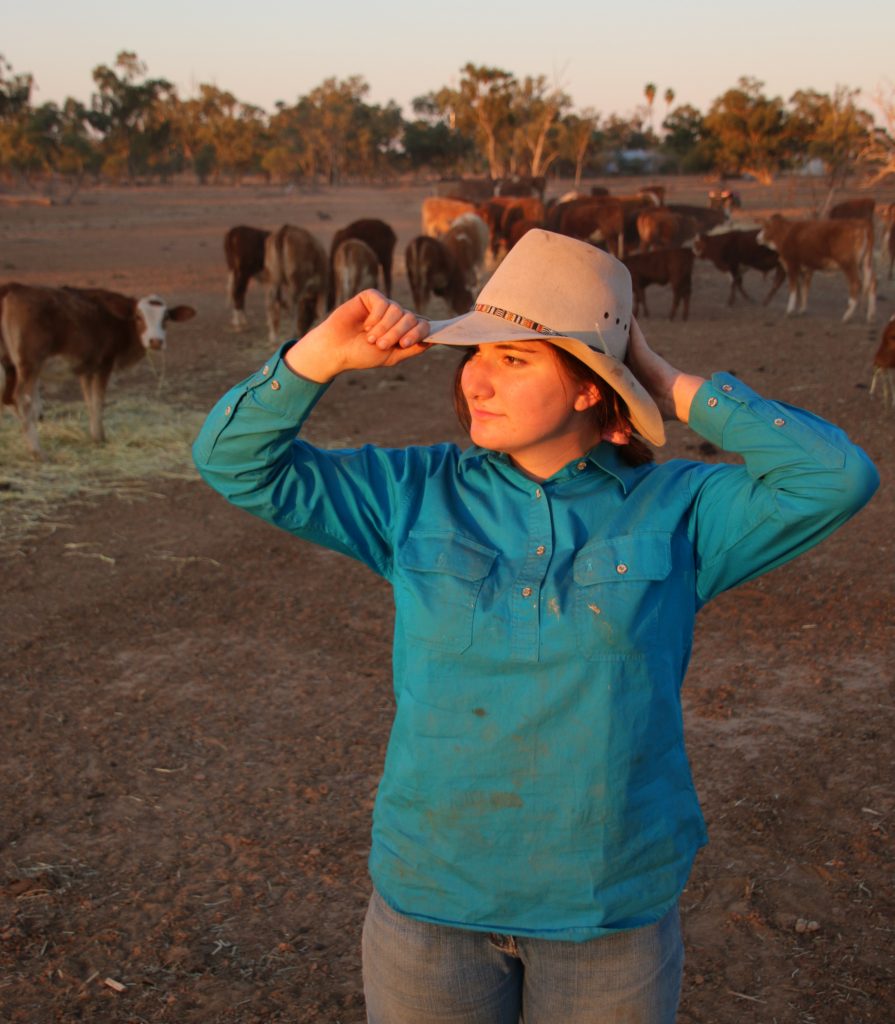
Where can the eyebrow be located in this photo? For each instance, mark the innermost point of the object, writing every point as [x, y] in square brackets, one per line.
[519, 346]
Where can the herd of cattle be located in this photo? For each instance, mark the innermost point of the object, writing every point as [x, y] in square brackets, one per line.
[99, 331]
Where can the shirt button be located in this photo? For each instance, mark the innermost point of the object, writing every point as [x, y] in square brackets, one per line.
[727, 387]
[540, 549]
[275, 385]
[582, 465]
[621, 568]
[537, 492]
[713, 402]
[526, 591]
[266, 370]
[228, 410]
[779, 422]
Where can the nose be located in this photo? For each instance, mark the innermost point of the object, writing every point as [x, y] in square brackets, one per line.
[156, 343]
[476, 380]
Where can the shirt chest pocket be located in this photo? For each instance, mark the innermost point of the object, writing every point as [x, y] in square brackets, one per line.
[437, 587]
[617, 594]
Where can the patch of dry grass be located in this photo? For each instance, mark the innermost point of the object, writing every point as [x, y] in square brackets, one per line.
[145, 443]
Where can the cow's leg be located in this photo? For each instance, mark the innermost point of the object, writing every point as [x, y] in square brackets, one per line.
[779, 278]
[273, 313]
[805, 284]
[306, 313]
[870, 288]
[793, 279]
[238, 284]
[93, 387]
[387, 277]
[27, 403]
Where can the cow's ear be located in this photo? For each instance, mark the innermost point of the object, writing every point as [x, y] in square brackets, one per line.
[181, 313]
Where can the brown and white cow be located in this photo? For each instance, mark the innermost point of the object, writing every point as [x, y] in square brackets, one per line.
[806, 246]
[732, 252]
[379, 236]
[663, 267]
[354, 267]
[244, 253]
[662, 228]
[724, 199]
[432, 270]
[438, 214]
[884, 365]
[467, 241]
[97, 331]
[296, 266]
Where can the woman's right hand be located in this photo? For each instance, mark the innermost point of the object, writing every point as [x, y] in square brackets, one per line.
[365, 332]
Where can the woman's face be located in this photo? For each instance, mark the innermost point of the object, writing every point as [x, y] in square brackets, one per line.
[521, 401]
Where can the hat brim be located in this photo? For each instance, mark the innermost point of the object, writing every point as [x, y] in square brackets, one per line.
[475, 328]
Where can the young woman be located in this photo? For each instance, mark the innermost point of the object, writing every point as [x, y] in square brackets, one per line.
[536, 820]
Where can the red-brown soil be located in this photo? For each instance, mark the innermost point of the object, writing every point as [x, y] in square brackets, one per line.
[194, 723]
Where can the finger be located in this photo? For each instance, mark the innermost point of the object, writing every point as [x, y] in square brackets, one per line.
[382, 320]
[405, 331]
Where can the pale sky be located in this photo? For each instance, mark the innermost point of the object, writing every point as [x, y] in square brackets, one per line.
[278, 50]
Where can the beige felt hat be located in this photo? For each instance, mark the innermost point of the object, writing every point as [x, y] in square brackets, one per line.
[558, 289]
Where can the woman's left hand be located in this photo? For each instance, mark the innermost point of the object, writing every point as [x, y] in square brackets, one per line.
[671, 389]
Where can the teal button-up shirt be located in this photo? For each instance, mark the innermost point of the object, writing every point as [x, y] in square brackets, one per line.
[536, 781]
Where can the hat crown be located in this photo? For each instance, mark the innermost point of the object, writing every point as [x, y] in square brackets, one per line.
[566, 286]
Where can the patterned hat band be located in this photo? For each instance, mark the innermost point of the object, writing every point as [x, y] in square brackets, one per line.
[515, 318]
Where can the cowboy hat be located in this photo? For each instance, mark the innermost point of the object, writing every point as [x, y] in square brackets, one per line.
[559, 289]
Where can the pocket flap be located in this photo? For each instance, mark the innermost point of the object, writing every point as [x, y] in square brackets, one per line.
[646, 556]
[451, 553]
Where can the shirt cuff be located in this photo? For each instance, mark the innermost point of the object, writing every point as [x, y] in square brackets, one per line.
[714, 403]
[280, 389]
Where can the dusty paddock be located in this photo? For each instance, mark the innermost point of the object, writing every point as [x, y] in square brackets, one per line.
[196, 707]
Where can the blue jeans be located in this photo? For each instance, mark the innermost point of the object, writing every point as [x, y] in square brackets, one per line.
[420, 973]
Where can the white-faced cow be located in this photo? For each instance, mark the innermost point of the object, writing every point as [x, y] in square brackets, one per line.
[467, 241]
[805, 246]
[884, 365]
[296, 266]
[732, 252]
[432, 270]
[244, 252]
[379, 236]
[354, 267]
[97, 331]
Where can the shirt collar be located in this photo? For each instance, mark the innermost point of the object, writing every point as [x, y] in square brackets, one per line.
[604, 457]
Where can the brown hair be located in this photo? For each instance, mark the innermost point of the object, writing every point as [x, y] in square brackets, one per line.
[610, 413]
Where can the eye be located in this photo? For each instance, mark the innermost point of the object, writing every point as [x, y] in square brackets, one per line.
[509, 360]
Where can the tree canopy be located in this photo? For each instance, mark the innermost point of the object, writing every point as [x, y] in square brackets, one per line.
[136, 127]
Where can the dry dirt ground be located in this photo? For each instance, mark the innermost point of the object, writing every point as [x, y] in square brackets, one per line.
[195, 711]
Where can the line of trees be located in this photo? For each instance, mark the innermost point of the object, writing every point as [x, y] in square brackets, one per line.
[137, 128]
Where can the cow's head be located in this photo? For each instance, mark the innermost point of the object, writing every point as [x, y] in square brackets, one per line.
[152, 316]
[771, 231]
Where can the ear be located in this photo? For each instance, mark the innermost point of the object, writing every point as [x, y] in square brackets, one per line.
[181, 313]
[587, 397]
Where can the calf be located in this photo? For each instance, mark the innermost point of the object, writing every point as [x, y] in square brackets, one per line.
[244, 252]
[296, 266]
[805, 246]
[884, 365]
[354, 267]
[662, 266]
[432, 270]
[663, 229]
[379, 237]
[467, 242]
[97, 331]
[438, 214]
[734, 251]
